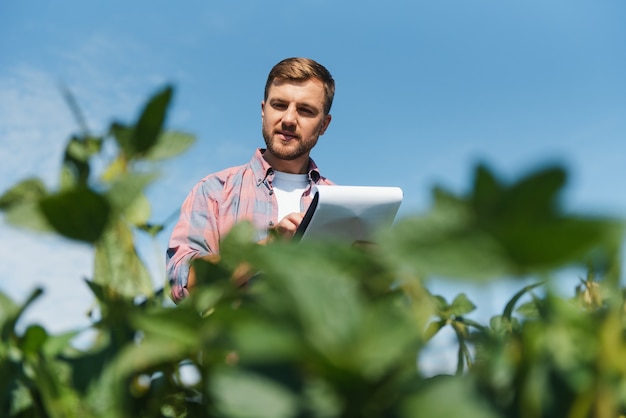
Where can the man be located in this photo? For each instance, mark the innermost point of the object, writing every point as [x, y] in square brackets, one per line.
[273, 190]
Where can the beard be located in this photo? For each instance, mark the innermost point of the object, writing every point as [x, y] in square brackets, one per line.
[295, 149]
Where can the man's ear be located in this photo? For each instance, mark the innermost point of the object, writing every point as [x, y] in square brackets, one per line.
[325, 124]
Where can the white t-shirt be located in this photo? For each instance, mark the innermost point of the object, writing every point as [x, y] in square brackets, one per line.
[288, 189]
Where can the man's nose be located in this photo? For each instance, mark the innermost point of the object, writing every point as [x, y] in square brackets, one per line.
[290, 116]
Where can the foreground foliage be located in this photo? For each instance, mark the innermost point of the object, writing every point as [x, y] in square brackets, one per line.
[325, 329]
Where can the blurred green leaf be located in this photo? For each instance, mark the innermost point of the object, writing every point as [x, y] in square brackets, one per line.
[151, 229]
[21, 205]
[11, 313]
[56, 345]
[447, 396]
[7, 307]
[443, 243]
[531, 199]
[127, 197]
[320, 295]
[182, 325]
[123, 135]
[241, 394]
[33, 340]
[144, 356]
[139, 211]
[504, 325]
[88, 366]
[82, 148]
[29, 190]
[170, 144]
[76, 168]
[433, 328]
[528, 310]
[151, 120]
[79, 214]
[260, 340]
[387, 342]
[486, 189]
[461, 305]
[499, 230]
[510, 306]
[118, 265]
[29, 216]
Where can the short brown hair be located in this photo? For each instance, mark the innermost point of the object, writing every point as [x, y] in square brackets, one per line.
[301, 69]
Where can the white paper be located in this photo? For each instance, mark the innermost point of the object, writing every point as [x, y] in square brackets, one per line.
[352, 213]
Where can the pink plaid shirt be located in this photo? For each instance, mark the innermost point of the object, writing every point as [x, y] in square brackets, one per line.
[219, 201]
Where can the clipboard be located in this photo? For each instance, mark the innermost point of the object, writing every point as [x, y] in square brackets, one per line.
[349, 213]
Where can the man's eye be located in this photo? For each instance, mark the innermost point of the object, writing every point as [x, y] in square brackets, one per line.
[279, 106]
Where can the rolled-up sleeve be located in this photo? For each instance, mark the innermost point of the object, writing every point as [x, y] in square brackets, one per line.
[195, 235]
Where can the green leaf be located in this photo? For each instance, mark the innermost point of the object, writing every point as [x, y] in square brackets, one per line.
[79, 214]
[502, 325]
[148, 354]
[461, 305]
[58, 344]
[560, 242]
[386, 343]
[11, 313]
[33, 340]
[8, 308]
[463, 400]
[127, 197]
[123, 135]
[532, 198]
[444, 243]
[241, 394]
[510, 306]
[441, 303]
[29, 216]
[21, 205]
[319, 295]
[486, 189]
[118, 265]
[151, 229]
[433, 328]
[76, 168]
[170, 144]
[139, 211]
[151, 120]
[529, 310]
[260, 340]
[181, 325]
[82, 148]
[29, 190]
[499, 231]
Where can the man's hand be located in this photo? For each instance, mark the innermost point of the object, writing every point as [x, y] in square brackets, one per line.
[286, 227]
[240, 276]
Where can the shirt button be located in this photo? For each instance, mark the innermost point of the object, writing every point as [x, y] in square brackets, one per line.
[271, 223]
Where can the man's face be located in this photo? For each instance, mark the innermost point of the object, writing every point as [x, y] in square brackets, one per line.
[293, 119]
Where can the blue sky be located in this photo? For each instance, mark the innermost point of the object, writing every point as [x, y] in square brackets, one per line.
[425, 90]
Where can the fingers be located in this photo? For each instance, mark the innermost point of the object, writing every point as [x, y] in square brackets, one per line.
[287, 226]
